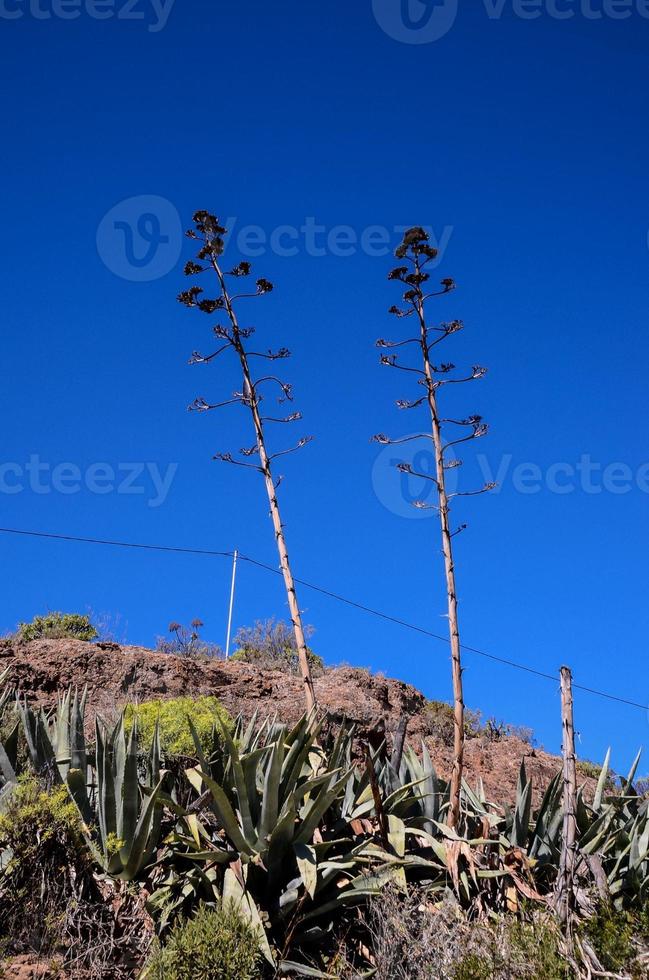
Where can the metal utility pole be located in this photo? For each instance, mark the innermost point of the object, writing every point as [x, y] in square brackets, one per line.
[234, 579]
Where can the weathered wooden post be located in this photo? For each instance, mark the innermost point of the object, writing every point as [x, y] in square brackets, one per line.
[565, 882]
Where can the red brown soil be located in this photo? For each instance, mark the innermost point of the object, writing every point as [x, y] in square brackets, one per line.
[29, 968]
[117, 674]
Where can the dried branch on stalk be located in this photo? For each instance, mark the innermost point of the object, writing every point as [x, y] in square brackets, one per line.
[416, 254]
[231, 337]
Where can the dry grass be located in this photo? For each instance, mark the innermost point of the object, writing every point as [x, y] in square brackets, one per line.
[414, 938]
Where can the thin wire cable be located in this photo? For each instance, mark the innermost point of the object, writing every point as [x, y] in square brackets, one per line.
[118, 544]
[331, 595]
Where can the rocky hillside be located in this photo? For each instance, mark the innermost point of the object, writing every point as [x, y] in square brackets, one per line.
[117, 674]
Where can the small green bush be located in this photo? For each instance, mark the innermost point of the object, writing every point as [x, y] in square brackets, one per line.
[474, 967]
[589, 769]
[617, 937]
[41, 852]
[58, 626]
[217, 944]
[53, 906]
[515, 948]
[35, 817]
[175, 735]
[536, 946]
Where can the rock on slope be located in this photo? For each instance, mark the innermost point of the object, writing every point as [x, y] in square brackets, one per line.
[116, 674]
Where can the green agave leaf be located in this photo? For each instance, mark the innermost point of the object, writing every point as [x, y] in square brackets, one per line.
[39, 745]
[234, 892]
[317, 809]
[598, 831]
[253, 774]
[198, 745]
[155, 754]
[601, 783]
[6, 767]
[521, 826]
[78, 755]
[246, 739]
[340, 755]
[243, 802]
[307, 787]
[270, 802]
[289, 966]
[430, 788]
[11, 745]
[195, 779]
[116, 765]
[549, 820]
[308, 867]
[227, 816]
[400, 794]
[297, 756]
[628, 783]
[280, 841]
[62, 729]
[136, 856]
[473, 800]
[104, 808]
[129, 804]
[344, 899]
[412, 861]
[76, 784]
[215, 856]
[397, 835]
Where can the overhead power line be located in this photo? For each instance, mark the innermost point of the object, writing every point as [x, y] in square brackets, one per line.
[326, 592]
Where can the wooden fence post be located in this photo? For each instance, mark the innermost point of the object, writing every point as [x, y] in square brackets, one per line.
[399, 742]
[565, 882]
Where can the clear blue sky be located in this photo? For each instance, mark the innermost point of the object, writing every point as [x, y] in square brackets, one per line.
[521, 142]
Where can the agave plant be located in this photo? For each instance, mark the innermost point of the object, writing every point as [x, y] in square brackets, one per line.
[282, 838]
[121, 813]
[295, 829]
[493, 857]
[614, 830]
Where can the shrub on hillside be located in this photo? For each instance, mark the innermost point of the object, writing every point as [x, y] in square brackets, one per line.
[524, 732]
[590, 769]
[51, 902]
[42, 855]
[271, 644]
[620, 940]
[186, 641]
[172, 718]
[215, 943]
[440, 722]
[58, 626]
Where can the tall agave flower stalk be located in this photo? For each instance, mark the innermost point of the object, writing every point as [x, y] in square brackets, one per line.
[417, 253]
[232, 337]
